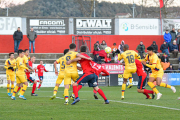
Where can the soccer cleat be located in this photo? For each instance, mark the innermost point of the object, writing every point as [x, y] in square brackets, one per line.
[173, 89]
[75, 101]
[149, 98]
[66, 102]
[95, 96]
[106, 102]
[159, 96]
[13, 98]
[72, 97]
[22, 97]
[9, 94]
[153, 95]
[38, 89]
[33, 94]
[19, 94]
[130, 86]
[54, 96]
[122, 97]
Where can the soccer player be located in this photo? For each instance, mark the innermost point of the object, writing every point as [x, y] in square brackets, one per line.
[157, 72]
[30, 79]
[41, 69]
[129, 57]
[10, 66]
[87, 77]
[61, 73]
[20, 76]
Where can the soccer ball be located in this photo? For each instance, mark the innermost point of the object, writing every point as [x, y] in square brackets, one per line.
[107, 50]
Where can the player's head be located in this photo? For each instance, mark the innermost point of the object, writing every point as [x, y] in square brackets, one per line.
[26, 51]
[33, 59]
[150, 50]
[66, 51]
[83, 48]
[72, 46]
[126, 47]
[20, 53]
[41, 62]
[11, 55]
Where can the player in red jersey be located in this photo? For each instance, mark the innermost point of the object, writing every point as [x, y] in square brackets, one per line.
[30, 79]
[41, 69]
[87, 77]
[142, 80]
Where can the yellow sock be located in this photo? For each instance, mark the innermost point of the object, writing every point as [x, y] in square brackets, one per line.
[12, 88]
[15, 91]
[130, 81]
[21, 90]
[55, 90]
[8, 86]
[123, 89]
[153, 87]
[165, 85]
[66, 93]
[24, 89]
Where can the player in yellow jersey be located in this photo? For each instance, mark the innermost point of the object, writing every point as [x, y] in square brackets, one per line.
[60, 78]
[129, 57]
[20, 76]
[10, 66]
[157, 72]
[71, 70]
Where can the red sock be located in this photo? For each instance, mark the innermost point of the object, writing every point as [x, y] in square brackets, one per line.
[95, 91]
[79, 87]
[39, 86]
[33, 88]
[75, 91]
[146, 95]
[18, 89]
[102, 93]
[148, 91]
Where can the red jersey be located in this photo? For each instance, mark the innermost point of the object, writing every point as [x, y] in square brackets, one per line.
[98, 69]
[27, 72]
[107, 59]
[140, 69]
[41, 69]
[85, 64]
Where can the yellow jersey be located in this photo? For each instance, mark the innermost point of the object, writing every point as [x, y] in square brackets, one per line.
[10, 63]
[25, 60]
[61, 61]
[20, 66]
[154, 62]
[129, 57]
[72, 68]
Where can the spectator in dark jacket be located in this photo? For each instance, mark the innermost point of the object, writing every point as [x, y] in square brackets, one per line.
[97, 59]
[174, 49]
[173, 35]
[32, 36]
[97, 46]
[141, 49]
[107, 59]
[17, 36]
[155, 47]
[164, 48]
[178, 38]
[167, 38]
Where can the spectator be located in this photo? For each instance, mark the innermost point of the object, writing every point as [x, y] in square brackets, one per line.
[165, 62]
[114, 49]
[97, 47]
[173, 35]
[170, 69]
[32, 36]
[107, 59]
[97, 59]
[17, 36]
[167, 38]
[155, 47]
[141, 49]
[164, 48]
[120, 47]
[178, 38]
[174, 49]
[179, 64]
[103, 45]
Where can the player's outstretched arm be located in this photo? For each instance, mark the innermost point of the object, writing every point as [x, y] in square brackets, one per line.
[74, 60]
[29, 67]
[83, 57]
[22, 66]
[56, 72]
[105, 73]
[79, 68]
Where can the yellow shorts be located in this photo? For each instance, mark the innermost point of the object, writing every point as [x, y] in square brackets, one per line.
[21, 79]
[60, 79]
[157, 74]
[69, 76]
[10, 77]
[128, 72]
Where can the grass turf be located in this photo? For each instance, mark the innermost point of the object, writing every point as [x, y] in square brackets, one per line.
[41, 108]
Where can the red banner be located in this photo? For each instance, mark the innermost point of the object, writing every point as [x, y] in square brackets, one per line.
[114, 68]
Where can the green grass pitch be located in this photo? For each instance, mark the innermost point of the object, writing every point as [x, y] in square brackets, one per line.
[133, 107]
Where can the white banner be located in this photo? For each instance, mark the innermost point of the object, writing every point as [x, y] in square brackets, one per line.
[9, 24]
[138, 27]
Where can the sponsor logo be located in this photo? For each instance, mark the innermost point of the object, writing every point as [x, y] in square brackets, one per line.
[124, 26]
[52, 22]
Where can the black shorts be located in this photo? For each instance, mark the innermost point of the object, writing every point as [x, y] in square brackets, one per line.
[142, 82]
[89, 78]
